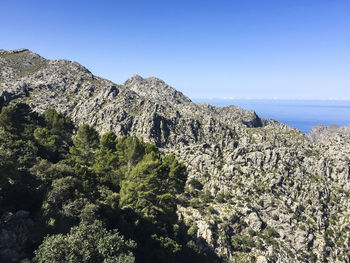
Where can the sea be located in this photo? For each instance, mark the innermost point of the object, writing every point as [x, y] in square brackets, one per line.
[300, 114]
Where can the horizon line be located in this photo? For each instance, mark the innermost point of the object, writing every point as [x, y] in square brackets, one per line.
[276, 99]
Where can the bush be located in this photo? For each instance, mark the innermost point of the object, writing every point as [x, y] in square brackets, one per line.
[243, 243]
[86, 243]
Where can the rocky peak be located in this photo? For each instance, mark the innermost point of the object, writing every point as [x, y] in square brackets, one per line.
[156, 90]
[134, 78]
[15, 64]
[15, 51]
[21, 54]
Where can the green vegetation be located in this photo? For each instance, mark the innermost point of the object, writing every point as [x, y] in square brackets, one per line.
[242, 243]
[92, 198]
[99, 245]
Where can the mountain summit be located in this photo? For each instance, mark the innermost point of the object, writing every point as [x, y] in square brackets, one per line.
[147, 107]
[156, 89]
[257, 190]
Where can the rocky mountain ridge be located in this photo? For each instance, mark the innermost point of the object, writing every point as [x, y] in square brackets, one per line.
[258, 190]
[323, 134]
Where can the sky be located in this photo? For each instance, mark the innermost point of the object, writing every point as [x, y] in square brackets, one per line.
[284, 49]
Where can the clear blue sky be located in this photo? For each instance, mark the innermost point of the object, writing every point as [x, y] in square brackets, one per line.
[237, 48]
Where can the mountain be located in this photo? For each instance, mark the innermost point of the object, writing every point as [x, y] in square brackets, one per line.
[257, 190]
[148, 107]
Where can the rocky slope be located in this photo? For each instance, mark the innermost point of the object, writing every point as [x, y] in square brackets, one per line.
[258, 190]
[324, 134]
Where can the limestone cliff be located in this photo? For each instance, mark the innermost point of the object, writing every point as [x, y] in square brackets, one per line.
[258, 190]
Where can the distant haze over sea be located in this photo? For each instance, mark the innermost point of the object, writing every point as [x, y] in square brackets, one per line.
[300, 114]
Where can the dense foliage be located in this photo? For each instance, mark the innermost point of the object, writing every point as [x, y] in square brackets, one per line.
[92, 198]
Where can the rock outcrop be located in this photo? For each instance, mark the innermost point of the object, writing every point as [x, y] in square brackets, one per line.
[324, 134]
[258, 190]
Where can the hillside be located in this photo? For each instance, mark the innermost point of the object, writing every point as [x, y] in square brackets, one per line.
[257, 190]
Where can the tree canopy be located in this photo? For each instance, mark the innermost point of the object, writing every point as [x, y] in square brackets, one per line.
[93, 198]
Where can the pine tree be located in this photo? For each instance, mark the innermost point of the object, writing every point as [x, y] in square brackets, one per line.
[85, 145]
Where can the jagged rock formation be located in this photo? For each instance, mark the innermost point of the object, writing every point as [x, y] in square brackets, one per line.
[257, 190]
[323, 134]
[146, 107]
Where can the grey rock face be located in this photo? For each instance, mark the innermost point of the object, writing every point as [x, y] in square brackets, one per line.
[324, 134]
[157, 90]
[146, 107]
[257, 189]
